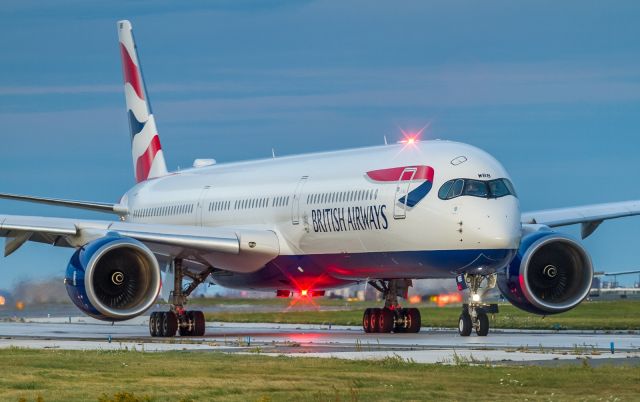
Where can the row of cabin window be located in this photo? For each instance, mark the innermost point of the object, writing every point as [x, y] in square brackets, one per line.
[261, 203]
[164, 211]
[342, 196]
[219, 206]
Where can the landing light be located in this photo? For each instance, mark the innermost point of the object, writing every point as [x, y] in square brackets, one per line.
[475, 297]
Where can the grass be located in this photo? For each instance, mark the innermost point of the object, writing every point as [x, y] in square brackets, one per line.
[614, 315]
[55, 375]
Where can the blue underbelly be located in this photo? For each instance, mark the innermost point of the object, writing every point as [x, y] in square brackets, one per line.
[324, 271]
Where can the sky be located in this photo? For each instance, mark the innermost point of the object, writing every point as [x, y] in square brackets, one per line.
[551, 89]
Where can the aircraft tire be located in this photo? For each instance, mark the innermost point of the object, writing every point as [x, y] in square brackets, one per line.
[187, 330]
[385, 320]
[366, 320]
[153, 325]
[400, 324]
[465, 325]
[483, 324]
[168, 324]
[199, 323]
[412, 315]
[374, 315]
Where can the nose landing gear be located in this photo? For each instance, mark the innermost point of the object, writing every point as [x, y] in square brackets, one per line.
[475, 313]
[391, 318]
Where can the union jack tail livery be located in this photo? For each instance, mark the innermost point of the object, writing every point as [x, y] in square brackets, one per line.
[148, 159]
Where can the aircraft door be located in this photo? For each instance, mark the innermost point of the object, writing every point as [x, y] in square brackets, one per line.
[402, 190]
[202, 206]
[295, 204]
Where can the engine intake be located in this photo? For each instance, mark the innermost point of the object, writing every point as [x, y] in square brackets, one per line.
[113, 278]
[551, 274]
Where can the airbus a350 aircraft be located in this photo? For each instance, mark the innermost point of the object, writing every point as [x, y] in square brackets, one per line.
[302, 224]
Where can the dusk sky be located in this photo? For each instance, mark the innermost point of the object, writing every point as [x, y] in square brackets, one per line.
[551, 89]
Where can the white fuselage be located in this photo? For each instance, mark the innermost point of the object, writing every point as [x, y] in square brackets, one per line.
[326, 204]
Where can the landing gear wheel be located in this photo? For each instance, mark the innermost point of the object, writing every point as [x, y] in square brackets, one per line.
[199, 323]
[374, 316]
[400, 326]
[366, 320]
[413, 320]
[168, 324]
[385, 320]
[483, 324]
[187, 330]
[464, 325]
[153, 324]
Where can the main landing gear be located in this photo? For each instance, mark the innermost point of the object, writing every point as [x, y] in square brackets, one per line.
[391, 318]
[186, 323]
[475, 313]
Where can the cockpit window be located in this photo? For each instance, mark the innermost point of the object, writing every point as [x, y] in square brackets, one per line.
[476, 188]
[456, 189]
[444, 190]
[498, 188]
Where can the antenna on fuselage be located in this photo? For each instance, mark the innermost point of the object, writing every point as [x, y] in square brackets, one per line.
[273, 153]
[385, 140]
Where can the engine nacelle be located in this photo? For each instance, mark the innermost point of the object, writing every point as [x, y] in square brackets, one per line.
[113, 278]
[550, 274]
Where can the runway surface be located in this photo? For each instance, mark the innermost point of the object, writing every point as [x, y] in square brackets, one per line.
[428, 346]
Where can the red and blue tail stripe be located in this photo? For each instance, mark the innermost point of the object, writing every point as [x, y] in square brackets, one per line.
[148, 158]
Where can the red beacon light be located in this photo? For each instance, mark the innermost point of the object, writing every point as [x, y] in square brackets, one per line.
[409, 141]
[311, 293]
[412, 137]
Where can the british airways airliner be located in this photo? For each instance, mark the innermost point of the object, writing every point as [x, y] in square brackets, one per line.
[302, 224]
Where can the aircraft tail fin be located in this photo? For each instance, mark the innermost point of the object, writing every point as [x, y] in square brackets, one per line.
[148, 158]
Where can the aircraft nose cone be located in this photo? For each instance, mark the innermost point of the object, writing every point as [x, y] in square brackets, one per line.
[501, 232]
[496, 227]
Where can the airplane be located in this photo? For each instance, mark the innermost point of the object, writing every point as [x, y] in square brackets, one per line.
[385, 215]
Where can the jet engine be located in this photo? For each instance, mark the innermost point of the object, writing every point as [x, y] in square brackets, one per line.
[550, 274]
[113, 278]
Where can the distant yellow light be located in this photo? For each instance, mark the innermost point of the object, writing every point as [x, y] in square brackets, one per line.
[20, 305]
[2, 300]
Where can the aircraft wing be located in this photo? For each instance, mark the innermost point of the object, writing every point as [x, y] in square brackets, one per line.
[589, 216]
[233, 249]
[89, 205]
